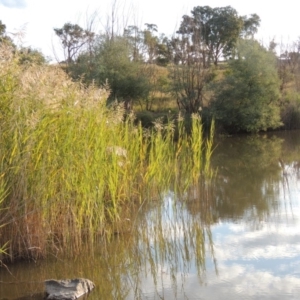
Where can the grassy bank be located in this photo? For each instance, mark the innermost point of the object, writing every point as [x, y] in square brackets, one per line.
[71, 167]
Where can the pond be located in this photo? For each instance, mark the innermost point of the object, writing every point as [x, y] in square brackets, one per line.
[237, 237]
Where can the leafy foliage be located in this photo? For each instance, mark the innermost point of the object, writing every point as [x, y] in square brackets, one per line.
[146, 46]
[4, 38]
[204, 37]
[247, 98]
[30, 56]
[2, 28]
[251, 25]
[111, 63]
[217, 30]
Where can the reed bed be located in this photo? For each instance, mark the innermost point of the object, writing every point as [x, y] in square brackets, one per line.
[71, 167]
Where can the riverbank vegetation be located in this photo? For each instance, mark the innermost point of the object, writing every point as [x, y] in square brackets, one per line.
[121, 118]
[72, 167]
[212, 65]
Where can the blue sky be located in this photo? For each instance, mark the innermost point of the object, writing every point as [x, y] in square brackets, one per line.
[37, 18]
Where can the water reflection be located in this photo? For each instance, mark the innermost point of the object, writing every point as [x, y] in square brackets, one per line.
[174, 245]
[238, 238]
[248, 177]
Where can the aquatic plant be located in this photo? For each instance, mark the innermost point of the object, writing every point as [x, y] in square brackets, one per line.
[74, 167]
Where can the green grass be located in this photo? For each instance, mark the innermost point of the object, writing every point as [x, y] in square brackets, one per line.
[71, 167]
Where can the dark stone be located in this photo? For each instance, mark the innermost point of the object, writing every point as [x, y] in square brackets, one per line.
[68, 289]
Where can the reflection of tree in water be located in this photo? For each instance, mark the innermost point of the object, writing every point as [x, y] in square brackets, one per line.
[167, 239]
[176, 237]
[290, 157]
[173, 237]
[247, 172]
[250, 173]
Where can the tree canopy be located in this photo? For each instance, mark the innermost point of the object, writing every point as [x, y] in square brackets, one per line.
[73, 38]
[247, 97]
[111, 62]
[212, 62]
[4, 38]
[217, 29]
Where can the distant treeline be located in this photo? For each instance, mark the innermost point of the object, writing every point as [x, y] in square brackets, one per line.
[212, 66]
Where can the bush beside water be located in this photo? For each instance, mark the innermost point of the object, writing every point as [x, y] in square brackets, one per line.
[71, 167]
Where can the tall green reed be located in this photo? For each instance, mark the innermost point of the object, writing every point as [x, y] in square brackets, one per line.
[73, 166]
[3, 194]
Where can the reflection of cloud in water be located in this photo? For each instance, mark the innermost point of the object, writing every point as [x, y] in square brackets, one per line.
[248, 283]
[263, 247]
[234, 282]
[251, 264]
[262, 264]
[234, 242]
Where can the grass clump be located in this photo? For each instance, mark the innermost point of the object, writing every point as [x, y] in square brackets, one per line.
[71, 165]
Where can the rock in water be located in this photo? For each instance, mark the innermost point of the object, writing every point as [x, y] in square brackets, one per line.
[68, 289]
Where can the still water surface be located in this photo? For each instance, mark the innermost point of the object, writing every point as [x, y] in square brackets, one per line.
[237, 238]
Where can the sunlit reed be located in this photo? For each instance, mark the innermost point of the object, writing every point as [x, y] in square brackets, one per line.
[71, 167]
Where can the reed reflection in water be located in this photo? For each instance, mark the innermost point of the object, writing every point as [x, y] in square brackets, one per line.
[174, 246]
[236, 238]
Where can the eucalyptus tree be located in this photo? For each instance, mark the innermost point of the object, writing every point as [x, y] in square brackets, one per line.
[151, 42]
[189, 73]
[134, 37]
[73, 38]
[204, 37]
[217, 29]
[164, 51]
[250, 25]
[145, 43]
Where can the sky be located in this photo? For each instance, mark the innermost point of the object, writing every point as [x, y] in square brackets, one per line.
[37, 18]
